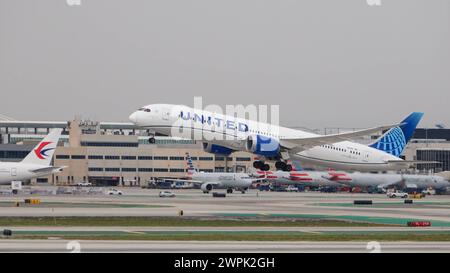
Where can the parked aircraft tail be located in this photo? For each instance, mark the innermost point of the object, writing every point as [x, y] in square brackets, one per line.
[42, 154]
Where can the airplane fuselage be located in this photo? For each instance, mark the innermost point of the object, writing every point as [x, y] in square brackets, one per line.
[232, 132]
[225, 180]
[20, 172]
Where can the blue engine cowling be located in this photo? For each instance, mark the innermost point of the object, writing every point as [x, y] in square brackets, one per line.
[216, 149]
[262, 145]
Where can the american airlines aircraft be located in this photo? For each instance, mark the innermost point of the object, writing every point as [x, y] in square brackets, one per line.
[217, 180]
[35, 164]
[223, 134]
[341, 179]
[381, 180]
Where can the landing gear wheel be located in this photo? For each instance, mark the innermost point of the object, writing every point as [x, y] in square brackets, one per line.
[287, 168]
[152, 140]
[257, 164]
[280, 165]
[265, 167]
[229, 190]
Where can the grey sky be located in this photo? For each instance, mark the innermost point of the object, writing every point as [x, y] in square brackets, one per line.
[325, 62]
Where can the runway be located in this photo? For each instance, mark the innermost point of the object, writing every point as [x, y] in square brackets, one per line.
[64, 246]
[385, 220]
[141, 202]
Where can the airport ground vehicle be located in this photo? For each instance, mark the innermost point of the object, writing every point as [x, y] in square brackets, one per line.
[166, 194]
[429, 191]
[291, 188]
[84, 184]
[395, 194]
[114, 192]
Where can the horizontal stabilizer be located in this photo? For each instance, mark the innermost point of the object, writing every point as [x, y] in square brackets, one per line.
[48, 169]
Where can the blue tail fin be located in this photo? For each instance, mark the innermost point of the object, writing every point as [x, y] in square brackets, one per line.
[394, 141]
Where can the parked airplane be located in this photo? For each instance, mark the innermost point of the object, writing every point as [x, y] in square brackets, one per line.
[35, 164]
[306, 178]
[217, 180]
[222, 134]
[386, 180]
[341, 179]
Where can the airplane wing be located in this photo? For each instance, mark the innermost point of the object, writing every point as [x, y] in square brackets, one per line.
[400, 183]
[47, 169]
[412, 162]
[301, 144]
[186, 180]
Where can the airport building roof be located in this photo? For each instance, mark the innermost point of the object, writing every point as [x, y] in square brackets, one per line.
[63, 125]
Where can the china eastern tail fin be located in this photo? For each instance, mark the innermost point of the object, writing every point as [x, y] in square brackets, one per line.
[394, 140]
[42, 154]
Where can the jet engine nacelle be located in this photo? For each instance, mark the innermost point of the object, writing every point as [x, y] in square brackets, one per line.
[216, 149]
[206, 187]
[262, 145]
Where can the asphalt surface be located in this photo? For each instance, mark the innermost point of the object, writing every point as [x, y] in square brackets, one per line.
[195, 203]
[64, 246]
[261, 205]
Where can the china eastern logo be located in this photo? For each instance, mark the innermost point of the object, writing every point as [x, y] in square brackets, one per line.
[41, 151]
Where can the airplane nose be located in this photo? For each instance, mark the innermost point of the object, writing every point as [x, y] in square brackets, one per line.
[134, 117]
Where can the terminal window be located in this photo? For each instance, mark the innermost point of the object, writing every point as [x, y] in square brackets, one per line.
[145, 157]
[112, 157]
[145, 170]
[243, 159]
[127, 157]
[98, 157]
[128, 169]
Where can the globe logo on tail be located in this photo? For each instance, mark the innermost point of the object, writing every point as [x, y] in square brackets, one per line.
[393, 142]
[41, 151]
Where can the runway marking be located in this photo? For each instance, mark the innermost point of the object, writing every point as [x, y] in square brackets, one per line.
[134, 232]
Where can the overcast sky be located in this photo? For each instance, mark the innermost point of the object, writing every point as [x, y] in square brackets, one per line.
[325, 62]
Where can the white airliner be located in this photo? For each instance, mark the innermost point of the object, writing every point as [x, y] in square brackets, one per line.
[339, 179]
[217, 180]
[222, 134]
[35, 164]
[381, 180]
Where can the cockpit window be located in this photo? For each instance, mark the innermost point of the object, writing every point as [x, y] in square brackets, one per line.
[145, 110]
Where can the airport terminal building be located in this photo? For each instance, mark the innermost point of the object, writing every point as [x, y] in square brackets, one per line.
[119, 154]
[115, 154]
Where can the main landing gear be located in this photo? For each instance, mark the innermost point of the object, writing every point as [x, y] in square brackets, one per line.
[261, 166]
[279, 165]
